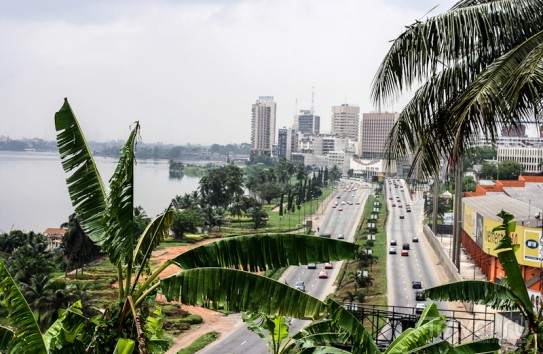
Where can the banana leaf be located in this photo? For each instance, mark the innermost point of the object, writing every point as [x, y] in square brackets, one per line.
[235, 290]
[266, 251]
[429, 326]
[85, 185]
[361, 339]
[476, 291]
[490, 345]
[124, 346]
[27, 337]
[120, 238]
[324, 350]
[71, 331]
[151, 237]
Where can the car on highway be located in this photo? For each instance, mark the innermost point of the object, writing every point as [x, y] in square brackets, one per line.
[408, 210]
[393, 205]
[405, 246]
[392, 250]
[340, 209]
[393, 243]
[343, 202]
[357, 203]
[323, 274]
[335, 205]
[325, 235]
[390, 198]
[415, 239]
[340, 237]
[419, 295]
[311, 266]
[405, 253]
[299, 285]
[416, 284]
[399, 205]
[402, 216]
[419, 307]
[328, 265]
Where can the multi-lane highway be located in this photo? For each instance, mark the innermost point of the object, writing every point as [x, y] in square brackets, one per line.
[334, 222]
[417, 265]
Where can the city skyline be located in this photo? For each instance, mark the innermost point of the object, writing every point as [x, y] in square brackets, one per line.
[190, 70]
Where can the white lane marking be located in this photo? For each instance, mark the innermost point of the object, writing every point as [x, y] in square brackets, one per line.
[242, 343]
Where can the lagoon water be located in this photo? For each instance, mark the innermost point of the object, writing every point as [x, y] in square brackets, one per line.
[34, 196]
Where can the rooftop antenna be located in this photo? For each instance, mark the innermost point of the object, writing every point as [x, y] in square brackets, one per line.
[312, 100]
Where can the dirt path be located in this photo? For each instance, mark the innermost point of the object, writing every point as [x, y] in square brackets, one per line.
[212, 320]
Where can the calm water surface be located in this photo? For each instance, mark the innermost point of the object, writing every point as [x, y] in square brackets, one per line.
[34, 196]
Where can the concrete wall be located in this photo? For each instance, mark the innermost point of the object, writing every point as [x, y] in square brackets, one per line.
[448, 265]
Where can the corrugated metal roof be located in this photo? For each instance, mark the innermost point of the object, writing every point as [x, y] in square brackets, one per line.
[531, 193]
[490, 205]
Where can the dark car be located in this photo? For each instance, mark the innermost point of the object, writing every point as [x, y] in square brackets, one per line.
[325, 235]
[299, 285]
[416, 284]
[405, 246]
[311, 266]
[402, 216]
[419, 295]
[415, 239]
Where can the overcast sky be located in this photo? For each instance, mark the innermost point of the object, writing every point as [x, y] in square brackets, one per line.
[190, 70]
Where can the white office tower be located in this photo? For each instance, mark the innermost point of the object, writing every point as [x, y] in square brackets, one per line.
[345, 121]
[263, 120]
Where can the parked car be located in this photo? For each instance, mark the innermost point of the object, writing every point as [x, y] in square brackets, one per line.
[325, 235]
[311, 266]
[299, 285]
[392, 250]
[416, 284]
[340, 237]
[328, 265]
[323, 274]
[405, 246]
[419, 295]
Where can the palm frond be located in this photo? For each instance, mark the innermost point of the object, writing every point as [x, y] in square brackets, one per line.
[478, 292]
[361, 339]
[27, 336]
[85, 185]
[266, 251]
[6, 336]
[235, 290]
[475, 32]
[120, 238]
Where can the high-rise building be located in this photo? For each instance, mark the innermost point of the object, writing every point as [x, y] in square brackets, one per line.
[374, 131]
[345, 121]
[263, 120]
[308, 123]
[286, 143]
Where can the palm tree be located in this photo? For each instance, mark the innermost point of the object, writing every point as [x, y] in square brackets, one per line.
[509, 295]
[208, 276]
[480, 67]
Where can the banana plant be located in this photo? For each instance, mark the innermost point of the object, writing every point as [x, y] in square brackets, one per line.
[511, 294]
[217, 275]
[22, 334]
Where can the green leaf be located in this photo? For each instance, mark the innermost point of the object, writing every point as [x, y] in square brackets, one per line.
[516, 284]
[151, 237]
[429, 326]
[85, 185]
[490, 345]
[27, 336]
[235, 290]
[120, 239]
[494, 295]
[124, 346]
[361, 339]
[266, 251]
[324, 350]
[6, 336]
[70, 327]
[251, 320]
